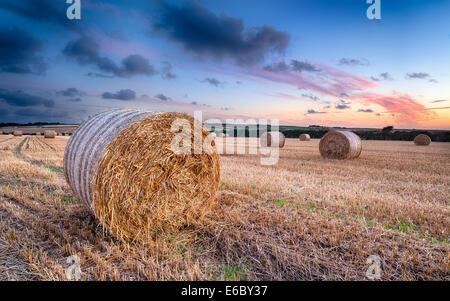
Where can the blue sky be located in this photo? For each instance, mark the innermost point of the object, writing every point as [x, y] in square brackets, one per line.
[303, 62]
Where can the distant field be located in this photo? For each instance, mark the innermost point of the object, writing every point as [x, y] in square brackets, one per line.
[305, 218]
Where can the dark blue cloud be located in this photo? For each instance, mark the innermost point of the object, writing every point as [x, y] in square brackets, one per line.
[353, 62]
[71, 92]
[19, 52]
[202, 32]
[295, 65]
[85, 50]
[21, 99]
[125, 94]
[163, 97]
[48, 11]
[212, 81]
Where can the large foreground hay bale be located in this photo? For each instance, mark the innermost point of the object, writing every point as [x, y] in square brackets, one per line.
[49, 134]
[17, 133]
[120, 164]
[340, 145]
[272, 139]
[422, 139]
[304, 137]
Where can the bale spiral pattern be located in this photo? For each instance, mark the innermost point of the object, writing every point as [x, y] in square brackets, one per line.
[340, 145]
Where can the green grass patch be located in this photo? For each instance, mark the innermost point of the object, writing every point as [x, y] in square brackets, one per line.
[56, 169]
[67, 199]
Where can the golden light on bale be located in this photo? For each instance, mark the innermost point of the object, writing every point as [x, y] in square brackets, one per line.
[272, 139]
[17, 133]
[422, 139]
[340, 145]
[121, 166]
[304, 137]
[49, 134]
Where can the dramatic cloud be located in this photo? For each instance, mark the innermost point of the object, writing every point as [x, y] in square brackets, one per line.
[163, 97]
[75, 99]
[48, 11]
[365, 110]
[22, 99]
[125, 94]
[71, 92]
[85, 50]
[404, 106]
[19, 52]
[203, 33]
[41, 115]
[440, 100]
[417, 75]
[353, 62]
[212, 81]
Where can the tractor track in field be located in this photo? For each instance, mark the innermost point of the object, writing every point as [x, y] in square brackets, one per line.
[17, 151]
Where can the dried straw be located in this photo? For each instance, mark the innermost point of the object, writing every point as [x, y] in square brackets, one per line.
[18, 133]
[272, 139]
[304, 137]
[49, 134]
[120, 164]
[422, 139]
[340, 145]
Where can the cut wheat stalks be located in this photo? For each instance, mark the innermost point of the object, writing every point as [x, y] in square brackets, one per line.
[272, 139]
[17, 133]
[422, 139]
[340, 145]
[49, 134]
[304, 137]
[121, 166]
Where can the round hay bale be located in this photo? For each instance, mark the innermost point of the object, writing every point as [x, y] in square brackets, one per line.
[304, 137]
[49, 134]
[17, 133]
[120, 165]
[38, 133]
[422, 139]
[340, 145]
[272, 139]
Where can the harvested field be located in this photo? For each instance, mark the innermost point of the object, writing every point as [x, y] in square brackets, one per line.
[306, 218]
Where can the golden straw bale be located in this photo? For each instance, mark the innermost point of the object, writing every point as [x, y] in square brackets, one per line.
[422, 139]
[304, 137]
[272, 139]
[340, 145]
[121, 165]
[17, 133]
[49, 134]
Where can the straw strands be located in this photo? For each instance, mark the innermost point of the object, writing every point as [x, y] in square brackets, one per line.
[120, 164]
[340, 145]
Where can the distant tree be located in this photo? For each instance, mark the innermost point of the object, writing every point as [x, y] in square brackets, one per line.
[387, 129]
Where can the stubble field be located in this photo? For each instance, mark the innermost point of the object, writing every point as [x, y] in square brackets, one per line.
[305, 218]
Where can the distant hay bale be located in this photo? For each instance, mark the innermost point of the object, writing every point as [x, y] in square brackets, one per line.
[49, 134]
[224, 135]
[214, 134]
[422, 139]
[37, 133]
[340, 145]
[304, 137]
[272, 139]
[120, 165]
[17, 133]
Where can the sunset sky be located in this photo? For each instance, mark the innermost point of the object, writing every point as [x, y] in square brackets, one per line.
[302, 62]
